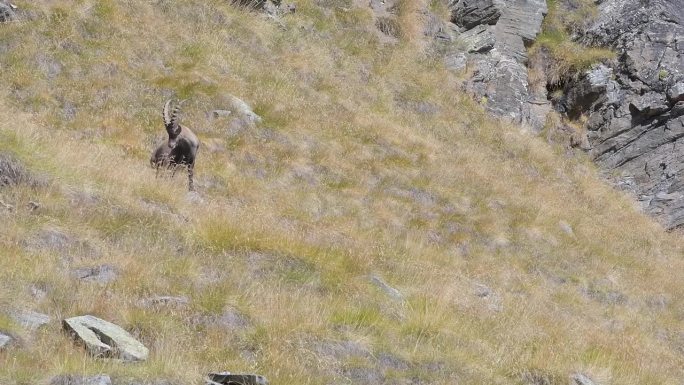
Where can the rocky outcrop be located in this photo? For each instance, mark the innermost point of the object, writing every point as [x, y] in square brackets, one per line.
[635, 105]
[105, 339]
[495, 36]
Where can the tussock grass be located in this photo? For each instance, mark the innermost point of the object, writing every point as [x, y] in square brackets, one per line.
[567, 58]
[347, 176]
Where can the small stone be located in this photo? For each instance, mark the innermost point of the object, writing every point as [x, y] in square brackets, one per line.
[565, 226]
[5, 341]
[220, 113]
[581, 379]
[493, 300]
[225, 378]
[105, 339]
[164, 301]
[81, 380]
[38, 291]
[102, 274]
[30, 319]
[482, 291]
[392, 292]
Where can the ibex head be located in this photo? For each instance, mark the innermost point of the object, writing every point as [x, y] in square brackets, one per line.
[181, 147]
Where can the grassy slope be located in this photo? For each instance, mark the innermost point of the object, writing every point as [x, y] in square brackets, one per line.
[344, 178]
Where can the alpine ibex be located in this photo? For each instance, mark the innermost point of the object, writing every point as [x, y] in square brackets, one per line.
[181, 148]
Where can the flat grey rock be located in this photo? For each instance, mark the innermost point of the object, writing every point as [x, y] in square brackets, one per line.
[29, 319]
[81, 380]
[105, 339]
[479, 39]
[225, 378]
[164, 301]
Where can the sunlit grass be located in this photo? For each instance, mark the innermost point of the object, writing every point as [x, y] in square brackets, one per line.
[368, 161]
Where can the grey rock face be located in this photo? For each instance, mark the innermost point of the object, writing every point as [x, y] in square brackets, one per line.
[105, 339]
[81, 380]
[635, 119]
[480, 39]
[471, 13]
[495, 35]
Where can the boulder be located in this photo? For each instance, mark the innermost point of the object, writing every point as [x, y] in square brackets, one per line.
[105, 339]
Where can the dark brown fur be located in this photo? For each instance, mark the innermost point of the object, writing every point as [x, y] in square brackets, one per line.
[181, 147]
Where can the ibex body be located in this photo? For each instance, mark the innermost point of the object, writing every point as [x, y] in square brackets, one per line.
[181, 147]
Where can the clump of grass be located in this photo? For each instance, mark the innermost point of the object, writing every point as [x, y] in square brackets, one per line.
[567, 57]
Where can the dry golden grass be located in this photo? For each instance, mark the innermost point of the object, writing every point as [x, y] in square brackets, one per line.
[368, 162]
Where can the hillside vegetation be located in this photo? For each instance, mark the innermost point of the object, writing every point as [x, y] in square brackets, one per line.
[375, 227]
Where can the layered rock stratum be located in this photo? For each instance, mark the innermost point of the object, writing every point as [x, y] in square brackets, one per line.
[635, 105]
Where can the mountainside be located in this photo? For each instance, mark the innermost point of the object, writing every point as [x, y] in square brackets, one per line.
[359, 217]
